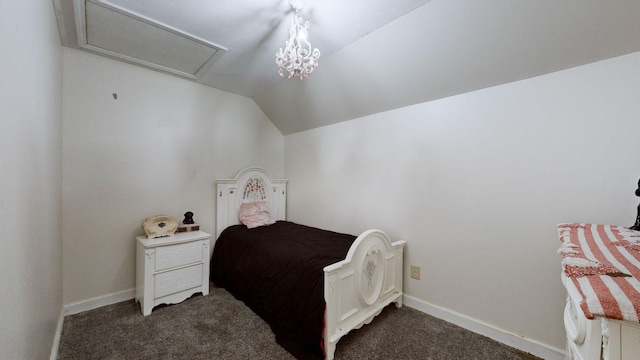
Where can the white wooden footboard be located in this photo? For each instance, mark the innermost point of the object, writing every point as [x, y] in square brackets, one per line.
[357, 288]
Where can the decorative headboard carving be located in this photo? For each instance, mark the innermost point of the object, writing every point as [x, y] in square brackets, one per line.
[254, 190]
[249, 185]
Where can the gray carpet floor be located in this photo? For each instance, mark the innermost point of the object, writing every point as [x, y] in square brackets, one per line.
[218, 326]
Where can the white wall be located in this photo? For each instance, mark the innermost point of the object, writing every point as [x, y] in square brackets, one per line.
[31, 179]
[156, 149]
[477, 183]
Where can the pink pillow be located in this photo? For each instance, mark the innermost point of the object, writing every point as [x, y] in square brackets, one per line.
[255, 214]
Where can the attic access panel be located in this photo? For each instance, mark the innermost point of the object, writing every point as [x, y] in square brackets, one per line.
[108, 29]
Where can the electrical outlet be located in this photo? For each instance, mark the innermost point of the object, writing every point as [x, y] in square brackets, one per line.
[415, 272]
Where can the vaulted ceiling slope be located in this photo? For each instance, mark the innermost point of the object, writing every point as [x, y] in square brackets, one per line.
[377, 55]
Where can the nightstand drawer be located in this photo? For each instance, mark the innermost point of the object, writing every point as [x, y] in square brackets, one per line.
[171, 282]
[171, 256]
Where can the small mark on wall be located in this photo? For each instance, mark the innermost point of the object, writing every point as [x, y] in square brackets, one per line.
[115, 96]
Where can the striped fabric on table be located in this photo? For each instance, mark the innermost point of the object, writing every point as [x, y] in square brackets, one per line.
[603, 262]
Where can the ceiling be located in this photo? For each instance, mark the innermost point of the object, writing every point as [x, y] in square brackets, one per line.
[376, 55]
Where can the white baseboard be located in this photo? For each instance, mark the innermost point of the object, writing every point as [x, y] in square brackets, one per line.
[100, 301]
[533, 347]
[57, 337]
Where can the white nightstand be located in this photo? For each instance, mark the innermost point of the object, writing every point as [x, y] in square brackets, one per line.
[171, 269]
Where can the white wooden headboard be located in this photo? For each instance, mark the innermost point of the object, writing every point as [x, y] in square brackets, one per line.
[251, 184]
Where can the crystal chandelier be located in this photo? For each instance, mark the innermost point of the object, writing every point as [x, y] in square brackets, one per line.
[297, 58]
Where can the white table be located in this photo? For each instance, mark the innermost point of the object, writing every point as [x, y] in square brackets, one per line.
[171, 269]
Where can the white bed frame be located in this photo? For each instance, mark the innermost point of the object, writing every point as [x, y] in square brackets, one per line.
[357, 288]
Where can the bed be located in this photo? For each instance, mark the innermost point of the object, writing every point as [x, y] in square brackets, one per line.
[311, 286]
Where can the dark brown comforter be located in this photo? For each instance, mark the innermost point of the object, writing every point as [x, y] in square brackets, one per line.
[276, 270]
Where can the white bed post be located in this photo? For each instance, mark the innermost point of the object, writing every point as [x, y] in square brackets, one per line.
[399, 246]
[226, 195]
[330, 316]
